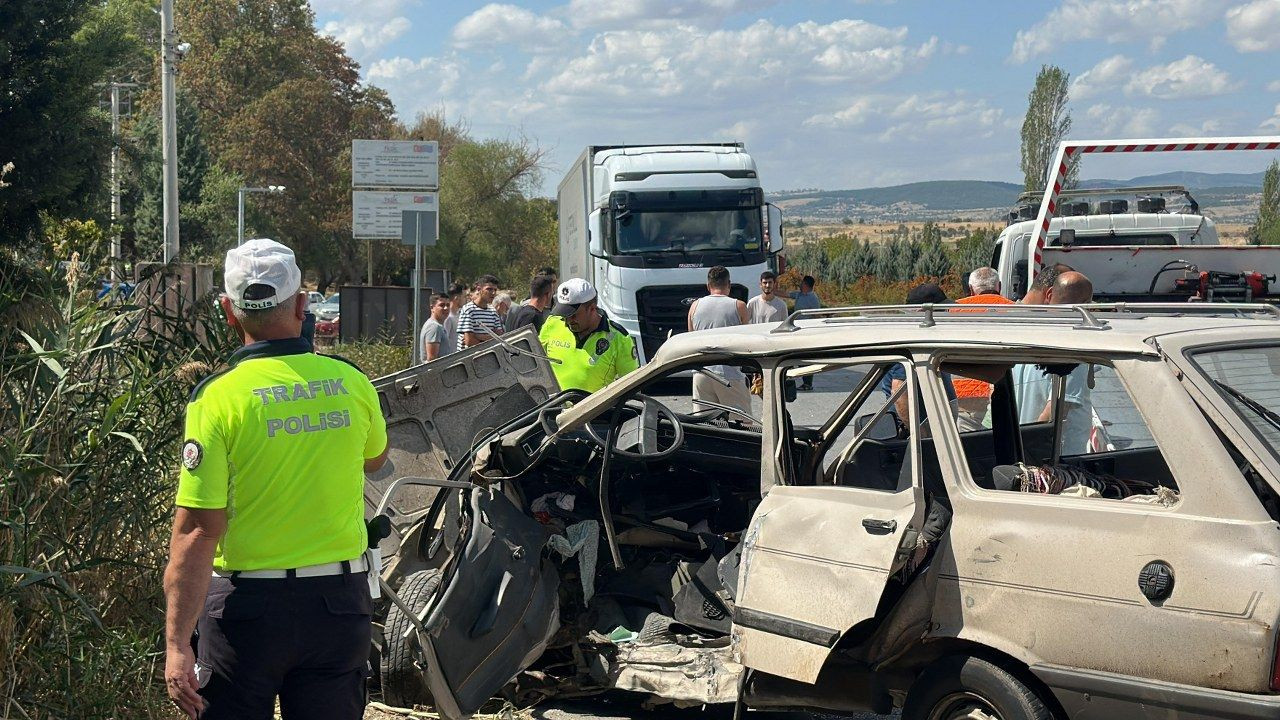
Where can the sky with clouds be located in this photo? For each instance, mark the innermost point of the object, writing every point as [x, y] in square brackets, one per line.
[827, 93]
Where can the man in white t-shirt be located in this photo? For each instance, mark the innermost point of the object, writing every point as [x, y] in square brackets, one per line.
[767, 307]
[478, 321]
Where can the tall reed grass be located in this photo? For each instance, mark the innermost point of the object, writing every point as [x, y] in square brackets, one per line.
[90, 426]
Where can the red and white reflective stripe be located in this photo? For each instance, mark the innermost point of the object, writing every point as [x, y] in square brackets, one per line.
[1067, 149]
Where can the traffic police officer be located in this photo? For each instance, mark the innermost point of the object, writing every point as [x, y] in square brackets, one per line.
[592, 350]
[269, 533]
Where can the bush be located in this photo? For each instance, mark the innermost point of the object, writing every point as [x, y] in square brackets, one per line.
[376, 359]
[92, 418]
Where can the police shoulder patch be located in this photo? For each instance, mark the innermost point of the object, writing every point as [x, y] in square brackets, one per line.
[192, 454]
[602, 346]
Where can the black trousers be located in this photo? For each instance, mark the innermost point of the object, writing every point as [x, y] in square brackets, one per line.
[305, 640]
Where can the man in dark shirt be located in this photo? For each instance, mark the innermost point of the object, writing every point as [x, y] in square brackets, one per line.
[534, 312]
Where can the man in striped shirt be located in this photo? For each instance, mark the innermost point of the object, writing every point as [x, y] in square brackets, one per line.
[479, 315]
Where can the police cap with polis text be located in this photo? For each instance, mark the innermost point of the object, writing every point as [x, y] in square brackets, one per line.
[261, 274]
[571, 294]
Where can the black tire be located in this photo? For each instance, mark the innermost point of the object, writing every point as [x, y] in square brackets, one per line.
[402, 682]
[954, 687]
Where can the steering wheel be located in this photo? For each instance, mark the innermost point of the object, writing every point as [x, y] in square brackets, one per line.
[545, 414]
[649, 415]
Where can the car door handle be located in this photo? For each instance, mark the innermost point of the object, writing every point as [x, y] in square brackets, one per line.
[875, 525]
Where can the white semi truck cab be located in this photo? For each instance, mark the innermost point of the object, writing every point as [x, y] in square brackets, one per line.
[643, 223]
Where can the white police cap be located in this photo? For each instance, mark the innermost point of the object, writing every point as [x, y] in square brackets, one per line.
[261, 262]
[572, 293]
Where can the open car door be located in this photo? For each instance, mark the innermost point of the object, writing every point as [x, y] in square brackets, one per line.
[499, 608]
[816, 558]
[436, 411]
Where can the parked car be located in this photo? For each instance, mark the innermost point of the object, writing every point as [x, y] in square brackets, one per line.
[327, 328]
[314, 298]
[1120, 559]
[327, 310]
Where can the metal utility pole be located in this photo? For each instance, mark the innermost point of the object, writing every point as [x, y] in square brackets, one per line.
[169, 123]
[273, 189]
[115, 176]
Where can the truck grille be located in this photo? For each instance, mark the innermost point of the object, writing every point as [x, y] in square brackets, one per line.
[665, 309]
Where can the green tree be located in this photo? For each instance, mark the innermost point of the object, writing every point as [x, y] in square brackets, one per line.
[145, 191]
[1046, 124]
[974, 250]
[1267, 229]
[932, 260]
[52, 55]
[280, 104]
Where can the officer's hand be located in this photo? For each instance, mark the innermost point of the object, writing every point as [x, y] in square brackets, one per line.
[180, 680]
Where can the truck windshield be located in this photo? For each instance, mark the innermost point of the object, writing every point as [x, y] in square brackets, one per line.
[736, 230]
[1249, 380]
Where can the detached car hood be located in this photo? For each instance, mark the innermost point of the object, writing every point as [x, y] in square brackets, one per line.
[436, 411]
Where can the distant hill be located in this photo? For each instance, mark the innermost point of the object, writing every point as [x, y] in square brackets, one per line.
[1190, 180]
[986, 199]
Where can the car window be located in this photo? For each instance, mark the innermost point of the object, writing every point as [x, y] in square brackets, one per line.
[866, 445]
[1104, 448]
[1249, 380]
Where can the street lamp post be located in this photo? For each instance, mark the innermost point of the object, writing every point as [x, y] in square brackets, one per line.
[273, 189]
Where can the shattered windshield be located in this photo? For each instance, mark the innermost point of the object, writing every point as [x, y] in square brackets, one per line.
[1249, 380]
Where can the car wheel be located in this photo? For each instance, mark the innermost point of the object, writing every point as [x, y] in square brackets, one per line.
[403, 684]
[970, 688]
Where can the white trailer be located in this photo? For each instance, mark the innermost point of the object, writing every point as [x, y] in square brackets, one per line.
[1152, 252]
[643, 223]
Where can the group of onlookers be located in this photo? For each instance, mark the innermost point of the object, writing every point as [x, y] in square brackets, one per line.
[1033, 389]
[466, 316]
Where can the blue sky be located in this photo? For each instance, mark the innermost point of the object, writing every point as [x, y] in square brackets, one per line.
[828, 93]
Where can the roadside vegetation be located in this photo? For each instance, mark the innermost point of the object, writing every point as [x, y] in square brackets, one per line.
[855, 270]
[94, 391]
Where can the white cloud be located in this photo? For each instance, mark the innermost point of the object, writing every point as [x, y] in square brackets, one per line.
[688, 60]
[365, 27]
[1206, 128]
[1274, 86]
[436, 76]
[1105, 120]
[362, 39]
[1107, 74]
[1190, 77]
[1150, 22]
[649, 14]
[914, 116]
[496, 25]
[1274, 122]
[1255, 27]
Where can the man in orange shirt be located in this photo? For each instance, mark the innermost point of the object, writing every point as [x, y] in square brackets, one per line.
[974, 396]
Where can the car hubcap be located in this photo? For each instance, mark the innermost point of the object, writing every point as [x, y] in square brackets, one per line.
[963, 706]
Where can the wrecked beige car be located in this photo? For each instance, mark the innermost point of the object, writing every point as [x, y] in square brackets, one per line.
[1096, 538]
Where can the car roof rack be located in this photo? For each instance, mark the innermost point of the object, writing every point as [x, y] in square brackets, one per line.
[1079, 317]
[929, 314]
[1187, 308]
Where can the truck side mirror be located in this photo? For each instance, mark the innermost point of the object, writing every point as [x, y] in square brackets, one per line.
[775, 227]
[1067, 237]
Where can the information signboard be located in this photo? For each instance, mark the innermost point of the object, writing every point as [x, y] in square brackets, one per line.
[376, 215]
[395, 163]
